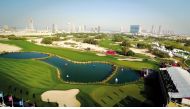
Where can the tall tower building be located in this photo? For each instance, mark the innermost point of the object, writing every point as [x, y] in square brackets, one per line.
[69, 27]
[53, 28]
[98, 29]
[152, 29]
[30, 25]
[159, 29]
[79, 29]
[121, 29]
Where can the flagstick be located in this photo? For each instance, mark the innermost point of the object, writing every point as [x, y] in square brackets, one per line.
[3, 102]
[12, 101]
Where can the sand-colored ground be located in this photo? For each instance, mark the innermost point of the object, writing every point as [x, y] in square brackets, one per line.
[72, 44]
[130, 59]
[99, 54]
[142, 51]
[66, 98]
[8, 48]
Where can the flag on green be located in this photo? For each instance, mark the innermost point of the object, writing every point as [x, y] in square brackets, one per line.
[1, 94]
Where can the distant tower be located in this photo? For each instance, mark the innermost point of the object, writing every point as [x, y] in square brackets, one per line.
[98, 30]
[30, 25]
[53, 28]
[69, 28]
[73, 29]
[84, 28]
[47, 29]
[159, 29]
[79, 29]
[121, 29]
[152, 29]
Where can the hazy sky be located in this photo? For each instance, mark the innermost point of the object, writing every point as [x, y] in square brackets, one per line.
[110, 14]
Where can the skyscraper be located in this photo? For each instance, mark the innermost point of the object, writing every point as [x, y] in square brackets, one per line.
[53, 28]
[152, 29]
[135, 29]
[159, 30]
[30, 25]
[98, 29]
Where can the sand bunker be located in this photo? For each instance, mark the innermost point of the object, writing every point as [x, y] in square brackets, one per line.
[66, 98]
[130, 59]
[99, 54]
[142, 51]
[8, 48]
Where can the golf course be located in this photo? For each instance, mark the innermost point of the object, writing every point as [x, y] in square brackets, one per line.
[29, 78]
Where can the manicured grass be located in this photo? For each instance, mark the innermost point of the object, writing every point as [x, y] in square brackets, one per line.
[111, 95]
[21, 76]
[109, 44]
[35, 77]
[79, 55]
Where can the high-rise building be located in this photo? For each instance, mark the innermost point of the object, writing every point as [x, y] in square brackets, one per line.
[69, 27]
[98, 29]
[121, 29]
[73, 29]
[152, 29]
[79, 29]
[159, 30]
[30, 27]
[53, 28]
[135, 29]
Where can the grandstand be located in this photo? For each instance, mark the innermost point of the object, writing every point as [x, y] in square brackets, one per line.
[175, 82]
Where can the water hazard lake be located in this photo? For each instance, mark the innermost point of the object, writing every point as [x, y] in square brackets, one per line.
[79, 72]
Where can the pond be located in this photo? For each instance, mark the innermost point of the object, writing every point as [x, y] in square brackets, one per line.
[124, 75]
[23, 55]
[90, 72]
[79, 72]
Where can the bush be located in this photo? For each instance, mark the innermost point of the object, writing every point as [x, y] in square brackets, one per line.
[169, 47]
[117, 38]
[100, 36]
[90, 41]
[127, 52]
[13, 37]
[125, 43]
[142, 45]
[130, 53]
[55, 38]
[60, 35]
[47, 40]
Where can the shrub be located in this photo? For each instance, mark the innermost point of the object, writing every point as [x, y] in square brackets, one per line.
[60, 35]
[90, 41]
[141, 45]
[125, 43]
[127, 52]
[47, 40]
[13, 37]
[117, 38]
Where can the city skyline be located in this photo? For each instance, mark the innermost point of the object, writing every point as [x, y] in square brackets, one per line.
[109, 15]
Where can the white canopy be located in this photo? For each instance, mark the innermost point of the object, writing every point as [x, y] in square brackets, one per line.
[181, 80]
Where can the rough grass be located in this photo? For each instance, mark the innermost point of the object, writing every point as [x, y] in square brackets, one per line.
[77, 55]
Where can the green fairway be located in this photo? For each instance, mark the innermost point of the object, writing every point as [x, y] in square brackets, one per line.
[109, 44]
[77, 55]
[35, 77]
